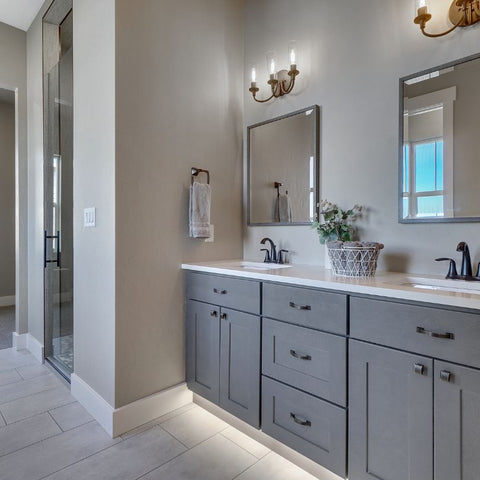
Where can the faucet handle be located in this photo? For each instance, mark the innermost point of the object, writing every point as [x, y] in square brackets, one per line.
[281, 259]
[452, 270]
[267, 255]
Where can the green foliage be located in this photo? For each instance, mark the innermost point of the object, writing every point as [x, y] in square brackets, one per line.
[337, 223]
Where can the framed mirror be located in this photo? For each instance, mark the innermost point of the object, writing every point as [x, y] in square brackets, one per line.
[439, 156]
[283, 165]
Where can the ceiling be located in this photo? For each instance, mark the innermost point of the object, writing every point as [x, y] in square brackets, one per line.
[19, 13]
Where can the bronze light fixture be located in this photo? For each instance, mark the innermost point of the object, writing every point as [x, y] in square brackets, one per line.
[463, 13]
[281, 82]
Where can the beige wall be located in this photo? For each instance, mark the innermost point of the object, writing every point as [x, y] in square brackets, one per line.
[179, 77]
[13, 76]
[7, 198]
[351, 55]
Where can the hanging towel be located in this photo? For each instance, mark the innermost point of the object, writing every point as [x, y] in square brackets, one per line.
[283, 209]
[200, 201]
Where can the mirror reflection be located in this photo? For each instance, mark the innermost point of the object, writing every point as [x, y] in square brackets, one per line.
[440, 160]
[283, 166]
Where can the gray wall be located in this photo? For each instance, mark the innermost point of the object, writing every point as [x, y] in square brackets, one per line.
[350, 58]
[13, 76]
[179, 78]
[7, 198]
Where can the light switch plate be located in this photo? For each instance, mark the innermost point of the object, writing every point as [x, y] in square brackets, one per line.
[89, 217]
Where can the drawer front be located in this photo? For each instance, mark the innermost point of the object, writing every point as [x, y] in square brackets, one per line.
[306, 307]
[314, 428]
[312, 361]
[438, 333]
[228, 292]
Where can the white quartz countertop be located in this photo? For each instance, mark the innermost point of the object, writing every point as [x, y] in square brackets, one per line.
[384, 284]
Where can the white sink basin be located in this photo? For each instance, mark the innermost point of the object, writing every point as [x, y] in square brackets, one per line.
[445, 285]
[262, 266]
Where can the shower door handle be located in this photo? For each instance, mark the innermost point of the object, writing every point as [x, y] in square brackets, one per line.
[57, 239]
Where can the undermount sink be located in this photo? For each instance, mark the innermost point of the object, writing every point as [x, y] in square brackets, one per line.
[444, 285]
[262, 266]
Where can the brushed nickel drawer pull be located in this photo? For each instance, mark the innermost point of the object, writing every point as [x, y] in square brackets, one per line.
[293, 353]
[303, 423]
[446, 335]
[300, 307]
[446, 376]
[419, 368]
[213, 313]
[219, 292]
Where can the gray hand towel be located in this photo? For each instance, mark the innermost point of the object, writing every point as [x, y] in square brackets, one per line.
[283, 209]
[200, 201]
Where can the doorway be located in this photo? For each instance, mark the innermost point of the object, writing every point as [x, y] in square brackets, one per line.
[7, 216]
[58, 185]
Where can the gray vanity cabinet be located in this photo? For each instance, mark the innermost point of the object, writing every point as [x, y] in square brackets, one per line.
[203, 354]
[457, 422]
[223, 343]
[390, 414]
[240, 365]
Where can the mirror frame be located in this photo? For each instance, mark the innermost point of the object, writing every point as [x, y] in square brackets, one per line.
[316, 153]
[400, 148]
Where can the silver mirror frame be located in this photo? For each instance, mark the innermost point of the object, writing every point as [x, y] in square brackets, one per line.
[316, 150]
[400, 148]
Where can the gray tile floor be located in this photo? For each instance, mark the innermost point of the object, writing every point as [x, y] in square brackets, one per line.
[46, 434]
[7, 326]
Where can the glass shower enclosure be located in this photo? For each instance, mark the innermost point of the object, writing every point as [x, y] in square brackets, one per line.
[58, 184]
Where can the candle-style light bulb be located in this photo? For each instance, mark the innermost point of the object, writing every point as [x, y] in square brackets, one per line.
[254, 74]
[421, 7]
[292, 55]
[271, 64]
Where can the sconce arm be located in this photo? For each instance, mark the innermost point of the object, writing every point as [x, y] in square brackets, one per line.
[436, 35]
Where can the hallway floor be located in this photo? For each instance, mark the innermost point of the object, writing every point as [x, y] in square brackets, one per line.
[46, 434]
[7, 326]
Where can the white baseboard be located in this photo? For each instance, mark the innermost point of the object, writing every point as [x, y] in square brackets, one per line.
[19, 341]
[121, 420]
[28, 341]
[96, 405]
[7, 301]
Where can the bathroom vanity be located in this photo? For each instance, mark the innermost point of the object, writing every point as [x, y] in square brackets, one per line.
[370, 378]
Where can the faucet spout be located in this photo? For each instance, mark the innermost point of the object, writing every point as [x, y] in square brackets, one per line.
[273, 249]
[466, 270]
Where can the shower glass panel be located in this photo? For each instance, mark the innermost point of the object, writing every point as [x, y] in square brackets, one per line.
[58, 185]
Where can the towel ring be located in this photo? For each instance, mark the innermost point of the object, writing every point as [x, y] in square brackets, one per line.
[196, 171]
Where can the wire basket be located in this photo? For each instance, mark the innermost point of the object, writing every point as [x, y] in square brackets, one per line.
[354, 261]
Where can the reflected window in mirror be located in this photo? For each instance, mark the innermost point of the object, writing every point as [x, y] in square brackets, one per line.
[439, 158]
[283, 169]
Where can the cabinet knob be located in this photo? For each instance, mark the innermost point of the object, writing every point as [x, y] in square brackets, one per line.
[213, 313]
[419, 368]
[446, 376]
[223, 316]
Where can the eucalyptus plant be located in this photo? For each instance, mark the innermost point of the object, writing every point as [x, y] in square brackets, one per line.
[337, 224]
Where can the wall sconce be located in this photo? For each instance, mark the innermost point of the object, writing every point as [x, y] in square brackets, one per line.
[281, 82]
[463, 13]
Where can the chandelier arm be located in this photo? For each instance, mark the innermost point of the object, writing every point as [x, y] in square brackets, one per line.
[291, 84]
[262, 101]
[436, 35]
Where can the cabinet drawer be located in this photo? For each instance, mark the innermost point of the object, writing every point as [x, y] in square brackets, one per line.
[307, 307]
[434, 332]
[229, 292]
[314, 428]
[304, 358]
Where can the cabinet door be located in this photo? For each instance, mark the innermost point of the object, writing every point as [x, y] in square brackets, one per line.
[203, 349]
[391, 410]
[240, 365]
[457, 422]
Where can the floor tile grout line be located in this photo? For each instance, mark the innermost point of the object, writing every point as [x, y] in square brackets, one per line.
[39, 441]
[248, 468]
[56, 423]
[243, 448]
[4, 419]
[38, 413]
